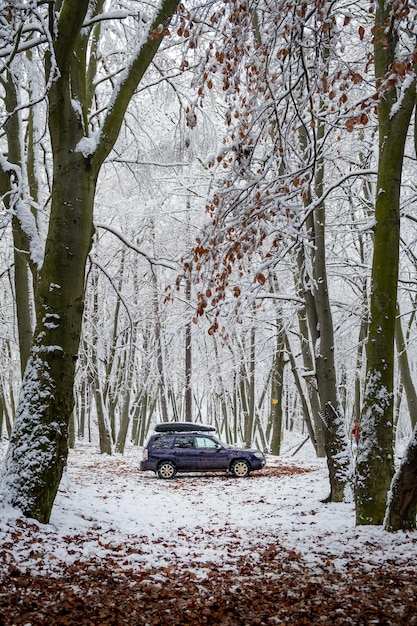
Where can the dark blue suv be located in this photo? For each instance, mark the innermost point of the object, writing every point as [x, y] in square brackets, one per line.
[186, 447]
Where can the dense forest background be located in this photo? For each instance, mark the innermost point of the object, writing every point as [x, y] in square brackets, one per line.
[223, 194]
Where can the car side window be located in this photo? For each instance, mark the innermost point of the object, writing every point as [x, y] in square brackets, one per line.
[161, 443]
[184, 442]
[205, 443]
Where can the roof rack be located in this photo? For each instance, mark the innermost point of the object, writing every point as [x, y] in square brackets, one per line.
[183, 427]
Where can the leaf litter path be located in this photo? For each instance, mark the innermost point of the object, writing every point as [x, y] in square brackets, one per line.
[125, 548]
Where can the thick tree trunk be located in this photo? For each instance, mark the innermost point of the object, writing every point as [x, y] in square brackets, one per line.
[402, 501]
[375, 457]
[47, 392]
[38, 446]
[39, 443]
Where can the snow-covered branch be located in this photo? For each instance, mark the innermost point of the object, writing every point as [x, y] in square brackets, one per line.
[172, 265]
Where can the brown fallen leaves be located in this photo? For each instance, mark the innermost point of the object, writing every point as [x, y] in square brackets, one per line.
[279, 590]
[276, 586]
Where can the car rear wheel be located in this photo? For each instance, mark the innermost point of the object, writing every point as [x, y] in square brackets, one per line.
[166, 470]
[240, 468]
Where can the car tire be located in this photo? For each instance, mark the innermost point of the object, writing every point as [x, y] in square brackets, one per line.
[240, 468]
[166, 470]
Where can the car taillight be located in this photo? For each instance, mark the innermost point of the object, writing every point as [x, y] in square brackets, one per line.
[145, 455]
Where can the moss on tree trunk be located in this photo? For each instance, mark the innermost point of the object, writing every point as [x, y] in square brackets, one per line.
[38, 447]
[375, 464]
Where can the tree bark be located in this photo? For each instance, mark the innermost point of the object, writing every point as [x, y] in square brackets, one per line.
[24, 268]
[406, 376]
[38, 446]
[402, 501]
[336, 442]
[374, 463]
[188, 395]
[277, 384]
[307, 319]
[321, 328]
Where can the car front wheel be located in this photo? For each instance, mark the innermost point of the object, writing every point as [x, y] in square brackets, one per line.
[240, 468]
[166, 469]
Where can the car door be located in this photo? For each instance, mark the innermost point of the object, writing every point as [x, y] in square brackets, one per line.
[211, 454]
[184, 453]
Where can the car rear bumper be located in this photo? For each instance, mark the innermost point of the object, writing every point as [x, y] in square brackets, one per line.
[147, 466]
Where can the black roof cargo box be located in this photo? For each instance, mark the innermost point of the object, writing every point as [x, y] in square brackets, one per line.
[183, 427]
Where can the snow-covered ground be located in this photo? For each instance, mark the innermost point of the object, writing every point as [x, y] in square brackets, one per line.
[107, 508]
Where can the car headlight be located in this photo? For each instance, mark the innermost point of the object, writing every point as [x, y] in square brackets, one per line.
[259, 455]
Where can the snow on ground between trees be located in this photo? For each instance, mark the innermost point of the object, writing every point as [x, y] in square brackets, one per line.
[124, 547]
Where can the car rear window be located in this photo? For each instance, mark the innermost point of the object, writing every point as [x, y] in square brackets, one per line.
[161, 442]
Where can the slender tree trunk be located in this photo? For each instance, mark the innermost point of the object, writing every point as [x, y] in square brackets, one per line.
[98, 380]
[250, 431]
[277, 385]
[363, 331]
[406, 376]
[160, 360]
[307, 319]
[303, 399]
[2, 407]
[321, 328]
[125, 410]
[24, 268]
[247, 391]
[105, 440]
[188, 363]
[336, 442]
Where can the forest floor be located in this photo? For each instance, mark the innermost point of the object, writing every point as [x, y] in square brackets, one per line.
[123, 547]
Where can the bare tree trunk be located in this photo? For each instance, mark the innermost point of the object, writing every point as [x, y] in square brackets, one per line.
[125, 410]
[321, 329]
[95, 377]
[307, 319]
[160, 354]
[24, 267]
[374, 463]
[277, 385]
[336, 442]
[38, 446]
[104, 436]
[402, 500]
[188, 363]
[303, 399]
[407, 379]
